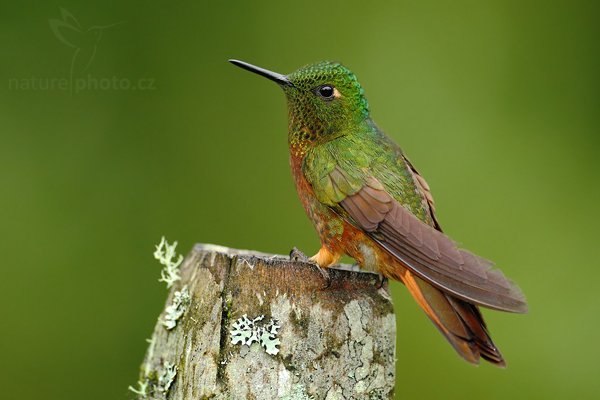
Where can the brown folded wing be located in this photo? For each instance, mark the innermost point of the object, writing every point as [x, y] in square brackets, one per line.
[424, 188]
[429, 253]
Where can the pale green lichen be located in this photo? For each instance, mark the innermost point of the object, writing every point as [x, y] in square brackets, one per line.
[268, 338]
[173, 312]
[142, 389]
[247, 331]
[166, 378]
[165, 253]
[143, 383]
[298, 393]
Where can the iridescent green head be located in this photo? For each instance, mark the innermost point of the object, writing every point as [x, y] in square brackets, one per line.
[324, 99]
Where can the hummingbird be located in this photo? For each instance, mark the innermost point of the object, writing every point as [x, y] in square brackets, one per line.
[84, 41]
[368, 201]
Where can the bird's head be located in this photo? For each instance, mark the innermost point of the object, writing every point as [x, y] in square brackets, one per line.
[323, 98]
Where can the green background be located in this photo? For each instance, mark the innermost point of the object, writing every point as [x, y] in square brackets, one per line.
[495, 102]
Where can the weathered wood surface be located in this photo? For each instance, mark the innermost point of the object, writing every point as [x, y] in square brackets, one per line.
[336, 342]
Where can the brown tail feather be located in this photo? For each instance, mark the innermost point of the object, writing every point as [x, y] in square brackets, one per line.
[460, 322]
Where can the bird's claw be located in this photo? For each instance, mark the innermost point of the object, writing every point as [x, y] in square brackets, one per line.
[325, 274]
[382, 282]
[297, 255]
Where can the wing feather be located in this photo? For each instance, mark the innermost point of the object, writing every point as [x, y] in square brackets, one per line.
[428, 252]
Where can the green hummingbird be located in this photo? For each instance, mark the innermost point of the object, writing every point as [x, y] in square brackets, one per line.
[367, 200]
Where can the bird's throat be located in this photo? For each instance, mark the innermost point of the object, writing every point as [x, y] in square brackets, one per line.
[300, 140]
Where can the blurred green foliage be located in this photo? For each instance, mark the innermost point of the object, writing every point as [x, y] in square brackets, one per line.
[495, 102]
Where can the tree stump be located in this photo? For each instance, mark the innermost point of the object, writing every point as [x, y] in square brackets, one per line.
[307, 340]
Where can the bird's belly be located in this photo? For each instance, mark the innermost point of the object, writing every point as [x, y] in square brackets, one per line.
[329, 225]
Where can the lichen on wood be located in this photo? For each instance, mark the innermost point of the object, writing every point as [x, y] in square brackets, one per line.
[334, 342]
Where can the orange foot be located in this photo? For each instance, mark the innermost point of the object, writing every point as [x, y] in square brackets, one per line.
[324, 258]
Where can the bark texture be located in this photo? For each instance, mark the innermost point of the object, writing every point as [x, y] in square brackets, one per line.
[335, 342]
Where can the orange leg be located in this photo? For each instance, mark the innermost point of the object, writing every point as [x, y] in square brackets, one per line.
[325, 258]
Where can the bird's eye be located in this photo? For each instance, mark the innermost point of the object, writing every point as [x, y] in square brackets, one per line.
[326, 92]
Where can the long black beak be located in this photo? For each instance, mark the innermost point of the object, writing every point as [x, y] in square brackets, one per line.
[274, 76]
